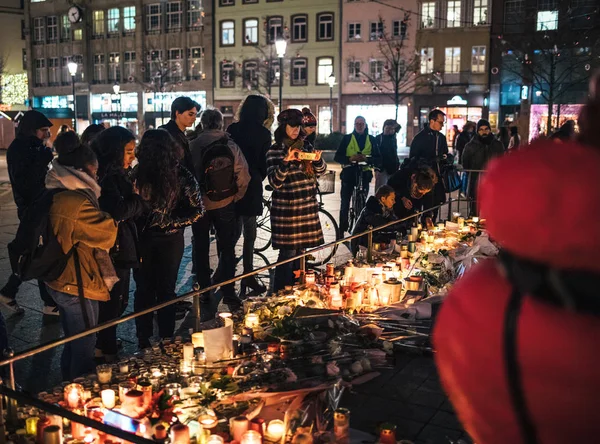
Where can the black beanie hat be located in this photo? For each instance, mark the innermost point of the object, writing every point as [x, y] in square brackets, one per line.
[483, 122]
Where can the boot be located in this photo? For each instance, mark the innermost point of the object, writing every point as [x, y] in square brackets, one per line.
[253, 284]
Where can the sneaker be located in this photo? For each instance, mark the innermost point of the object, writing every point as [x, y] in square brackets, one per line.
[50, 311]
[11, 304]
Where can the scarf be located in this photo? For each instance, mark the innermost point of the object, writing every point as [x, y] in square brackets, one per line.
[305, 165]
[65, 177]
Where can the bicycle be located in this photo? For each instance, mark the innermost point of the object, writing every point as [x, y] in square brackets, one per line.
[359, 194]
[329, 226]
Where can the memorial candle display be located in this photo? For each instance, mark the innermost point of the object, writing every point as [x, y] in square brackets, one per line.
[73, 396]
[252, 320]
[108, 398]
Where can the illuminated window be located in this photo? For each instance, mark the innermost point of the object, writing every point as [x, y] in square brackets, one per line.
[129, 19]
[547, 20]
[478, 59]
[324, 70]
[453, 18]
[251, 32]
[428, 15]
[228, 33]
[426, 60]
[480, 12]
[98, 29]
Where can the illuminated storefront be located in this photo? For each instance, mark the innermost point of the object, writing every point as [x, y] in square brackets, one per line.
[157, 105]
[375, 115]
[538, 121]
[116, 109]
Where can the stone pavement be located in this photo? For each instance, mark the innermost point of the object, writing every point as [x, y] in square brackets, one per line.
[408, 394]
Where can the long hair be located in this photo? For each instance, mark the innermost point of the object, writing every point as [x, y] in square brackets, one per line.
[256, 108]
[158, 169]
[91, 132]
[109, 146]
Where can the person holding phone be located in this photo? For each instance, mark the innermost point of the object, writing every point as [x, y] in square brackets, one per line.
[292, 168]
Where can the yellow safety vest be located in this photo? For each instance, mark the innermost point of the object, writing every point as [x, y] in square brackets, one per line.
[353, 149]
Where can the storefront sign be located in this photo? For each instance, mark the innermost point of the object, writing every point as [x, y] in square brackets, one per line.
[456, 100]
[109, 115]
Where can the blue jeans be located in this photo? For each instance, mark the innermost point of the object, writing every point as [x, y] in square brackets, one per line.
[284, 274]
[78, 356]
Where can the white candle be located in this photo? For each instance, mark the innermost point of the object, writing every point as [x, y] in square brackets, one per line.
[414, 232]
[461, 222]
[198, 339]
[251, 437]
[239, 426]
[275, 430]
[108, 398]
[441, 226]
[180, 434]
[358, 296]
[336, 297]
[373, 296]
[252, 320]
[215, 439]
[475, 219]
[188, 351]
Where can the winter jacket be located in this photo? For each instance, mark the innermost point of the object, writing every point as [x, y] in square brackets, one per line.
[343, 159]
[461, 141]
[295, 219]
[77, 220]
[254, 140]
[401, 182]
[427, 148]
[476, 157]
[183, 142]
[27, 159]
[242, 177]
[388, 147]
[188, 208]
[375, 215]
[119, 200]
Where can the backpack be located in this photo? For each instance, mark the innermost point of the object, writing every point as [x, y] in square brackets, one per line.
[35, 253]
[216, 173]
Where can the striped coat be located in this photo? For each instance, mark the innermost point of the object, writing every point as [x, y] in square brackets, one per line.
[295, 220]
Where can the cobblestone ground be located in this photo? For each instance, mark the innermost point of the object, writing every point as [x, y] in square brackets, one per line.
[407, 394]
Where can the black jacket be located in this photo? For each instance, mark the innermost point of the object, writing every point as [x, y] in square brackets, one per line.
[476, 157]
[401, 183]
[428, 145]
[254, 140]
[374, 215]
[119, 200]
[183, 142]
[461, 141]
[388, 147]
[27, 159]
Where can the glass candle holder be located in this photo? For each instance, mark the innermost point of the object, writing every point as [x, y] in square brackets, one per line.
[387, 434]
[252, 320]
[341, 425]
[172, 389]
[180, 434]
[251, 437]
[208, 419]
[73, 396]
[125, 387]
[108, 398]
[275, 430]
[104, 373]
[215, 439]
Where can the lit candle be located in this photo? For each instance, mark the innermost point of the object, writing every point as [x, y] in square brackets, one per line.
[475, 219]
[108, 398]
[31, 425]
[208, 419]
[73, 395]
[388, 434]
[215, 439]
[52, 435]
[239, 426]
[275, 430]
[160, 432]
[461, 222]
[373, 296]
[104, 373]
[252, 320]
[414, 232]
[180, 434]
[441, 226]
[358, 295]
[198, 339]
[251, 437]
[309, 278]
[226, 317]
[336, 297]
[188, 351]
[384, 296]
[123, 367]
[341, 425]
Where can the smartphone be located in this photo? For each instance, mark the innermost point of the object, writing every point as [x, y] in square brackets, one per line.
[306, 156]
[121, 421]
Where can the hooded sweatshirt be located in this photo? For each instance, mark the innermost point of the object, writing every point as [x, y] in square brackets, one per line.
[77, 221]
[242, 175]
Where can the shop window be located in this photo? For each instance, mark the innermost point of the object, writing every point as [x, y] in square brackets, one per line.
[228, 33]
[299, 72]
[251, 31]
[325, 26]
[299, 28]
[324, 69]
[453, 17]
[354, 31]
[428, 15]
[426, 60]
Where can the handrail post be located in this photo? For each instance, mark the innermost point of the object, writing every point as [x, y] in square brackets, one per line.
[11, 404]
[196, 307]
[302, 269]
[370, 244]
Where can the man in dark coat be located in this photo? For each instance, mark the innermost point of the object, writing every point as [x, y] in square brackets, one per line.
[28, 159]
[355, 147]
[254, 139]
[183, 115]
[429, 148]
[388, 147]
[478, 152]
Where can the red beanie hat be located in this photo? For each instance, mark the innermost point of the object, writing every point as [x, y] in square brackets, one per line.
[542, 204]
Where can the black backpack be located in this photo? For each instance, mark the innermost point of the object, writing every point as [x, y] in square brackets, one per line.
[216, 173]
[35, 253]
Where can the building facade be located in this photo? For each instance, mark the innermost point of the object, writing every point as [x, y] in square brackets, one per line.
[378, 60]
[153, 51]
[453, 42]
[246, 58]
[542, 57]
[13, 95]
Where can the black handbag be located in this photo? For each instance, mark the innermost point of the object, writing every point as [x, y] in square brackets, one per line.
[448, 172]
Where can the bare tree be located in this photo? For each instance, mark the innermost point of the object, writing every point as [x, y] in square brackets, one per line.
[554, 62]
[393, 71]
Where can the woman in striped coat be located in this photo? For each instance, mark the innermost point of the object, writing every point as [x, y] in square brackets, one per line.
[295, 221]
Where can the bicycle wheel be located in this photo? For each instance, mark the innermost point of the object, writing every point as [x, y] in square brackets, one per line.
[331, 233]
[265, 277]
[361, 200]
[263, 228]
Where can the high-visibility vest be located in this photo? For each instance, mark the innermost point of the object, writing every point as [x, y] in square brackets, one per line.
[353, 149]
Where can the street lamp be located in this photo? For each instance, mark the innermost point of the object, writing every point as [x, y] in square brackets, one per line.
[117, 90]
[280, 46]
[331, 82]
[72, 67]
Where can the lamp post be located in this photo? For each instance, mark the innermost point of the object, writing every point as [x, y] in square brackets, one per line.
[331, 82]
[117, 90]
[280, 46]
[72, 67]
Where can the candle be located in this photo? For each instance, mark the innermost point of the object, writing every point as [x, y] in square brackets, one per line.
[414, 232]
[461, 222]
[146, 388]
[172, 389]
[235, 339]
[275, 430]
[215, 439]
[198, 339]
[104, 373]
[475, 220]
[251, 320]
[52, 435]
[188, 351]
[31, 425]
[208, 419]
[336, 297]
[388, 434]
[73, 395]
[108, 398]
[238, 426]
[180, 434]
[77, 430]
[226, 317]
[160, 432]
[441, 226]
[341, 425]
[123, 367]
[124, 387]
[373, 296]
[309, 278]
[384, 296]
[251, 437]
